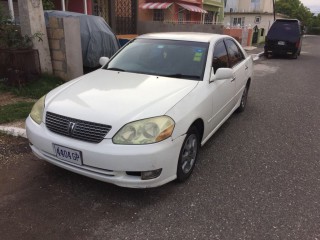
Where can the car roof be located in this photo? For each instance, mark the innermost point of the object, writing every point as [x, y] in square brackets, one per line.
[184, 36]
[287, 20]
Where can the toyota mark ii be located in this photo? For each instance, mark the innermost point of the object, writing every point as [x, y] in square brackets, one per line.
[139, 121]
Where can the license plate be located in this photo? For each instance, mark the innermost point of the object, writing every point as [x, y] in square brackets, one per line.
[68, 154]
[281, 43]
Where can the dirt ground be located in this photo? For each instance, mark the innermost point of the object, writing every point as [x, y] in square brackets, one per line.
[8, 98]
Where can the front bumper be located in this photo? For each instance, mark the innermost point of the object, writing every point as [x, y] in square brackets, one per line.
[109, 162]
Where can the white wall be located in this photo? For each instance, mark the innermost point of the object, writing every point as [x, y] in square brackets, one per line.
[250, 6]
[266, 20]
[231, 4]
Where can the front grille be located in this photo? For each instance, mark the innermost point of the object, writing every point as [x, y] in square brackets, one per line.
[75, 128]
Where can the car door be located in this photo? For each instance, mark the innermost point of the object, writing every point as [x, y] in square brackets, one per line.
[240, 67]
[223, 91]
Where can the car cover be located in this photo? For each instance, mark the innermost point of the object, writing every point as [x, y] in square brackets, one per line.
[97, 38]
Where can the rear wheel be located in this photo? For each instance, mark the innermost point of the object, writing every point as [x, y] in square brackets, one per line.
[188, 155]
[295, 55]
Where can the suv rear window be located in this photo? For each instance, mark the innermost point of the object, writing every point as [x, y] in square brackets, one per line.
[284, 30]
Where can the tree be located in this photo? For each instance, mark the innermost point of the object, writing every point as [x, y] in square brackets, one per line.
[295, 9]
[314, 26]
[48, 5]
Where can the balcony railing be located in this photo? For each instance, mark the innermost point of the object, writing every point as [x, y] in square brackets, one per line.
[190, 22]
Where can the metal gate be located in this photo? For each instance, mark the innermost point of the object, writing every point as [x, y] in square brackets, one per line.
[126, 16]
[102, 8]
[255, 35]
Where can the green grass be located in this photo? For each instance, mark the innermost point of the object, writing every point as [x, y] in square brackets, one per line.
[15, 111]
[34, 89]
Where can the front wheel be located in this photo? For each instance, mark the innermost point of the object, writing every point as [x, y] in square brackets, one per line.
[188, 155]
[244, 97]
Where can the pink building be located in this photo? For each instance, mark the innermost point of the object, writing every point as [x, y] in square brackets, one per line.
[171, 11]
[80, 6]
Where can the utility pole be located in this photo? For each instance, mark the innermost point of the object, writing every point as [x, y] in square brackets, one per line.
[274, 10]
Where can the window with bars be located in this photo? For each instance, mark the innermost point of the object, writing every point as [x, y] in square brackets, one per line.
[158, 15]
[101, 8]
[257, 20]
[209, 17]
[238, 21]
[188, 16]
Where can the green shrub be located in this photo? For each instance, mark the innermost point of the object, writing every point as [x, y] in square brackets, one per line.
[35, 89]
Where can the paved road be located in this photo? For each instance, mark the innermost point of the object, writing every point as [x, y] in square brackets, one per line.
[257, 178]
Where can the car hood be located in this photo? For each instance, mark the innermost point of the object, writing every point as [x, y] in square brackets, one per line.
[116, 98]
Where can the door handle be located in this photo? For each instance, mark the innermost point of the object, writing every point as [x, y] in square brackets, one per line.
[233, 79]
[246, 68]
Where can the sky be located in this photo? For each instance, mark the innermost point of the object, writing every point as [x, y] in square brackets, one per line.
[314, 5]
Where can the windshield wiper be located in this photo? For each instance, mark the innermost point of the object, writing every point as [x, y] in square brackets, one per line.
[180, 75]
[116, 69]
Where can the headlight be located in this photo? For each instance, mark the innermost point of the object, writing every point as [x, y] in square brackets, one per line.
[37, 110]
[145, 131]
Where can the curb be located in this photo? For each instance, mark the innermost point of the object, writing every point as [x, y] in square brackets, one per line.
[256, 57]
[14, 131]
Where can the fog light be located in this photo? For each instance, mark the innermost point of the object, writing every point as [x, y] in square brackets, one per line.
[151, 174]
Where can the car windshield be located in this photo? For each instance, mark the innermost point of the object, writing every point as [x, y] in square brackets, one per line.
[169, 58]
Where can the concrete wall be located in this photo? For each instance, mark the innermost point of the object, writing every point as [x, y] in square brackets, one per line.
[264, 6]
[5, 8]
[32, 22]
[65, 47]
[265, 22]
[238, 34]
[149, 27]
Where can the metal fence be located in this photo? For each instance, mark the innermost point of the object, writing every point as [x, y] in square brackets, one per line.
[17, 67]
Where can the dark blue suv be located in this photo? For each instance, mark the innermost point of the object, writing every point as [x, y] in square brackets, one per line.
[284, 38]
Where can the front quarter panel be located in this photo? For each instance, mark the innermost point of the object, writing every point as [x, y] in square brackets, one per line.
[197, 104]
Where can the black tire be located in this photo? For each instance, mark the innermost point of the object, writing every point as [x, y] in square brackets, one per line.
[295, 55]
[188, 155]
[266, 54]
[244, 98]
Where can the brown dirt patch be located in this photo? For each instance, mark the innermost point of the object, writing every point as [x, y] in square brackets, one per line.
[8, 98]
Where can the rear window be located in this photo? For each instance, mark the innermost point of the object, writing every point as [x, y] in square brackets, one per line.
[284, 30]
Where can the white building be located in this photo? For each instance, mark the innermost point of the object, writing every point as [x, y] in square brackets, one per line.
[257, 14]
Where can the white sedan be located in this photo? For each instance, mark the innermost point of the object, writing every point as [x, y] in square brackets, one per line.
[140, 120]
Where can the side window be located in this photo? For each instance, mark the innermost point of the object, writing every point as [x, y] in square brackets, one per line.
[235, 54]
[220, 57]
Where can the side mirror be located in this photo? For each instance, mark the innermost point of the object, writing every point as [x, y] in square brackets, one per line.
[103, 61]
[221, 74]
